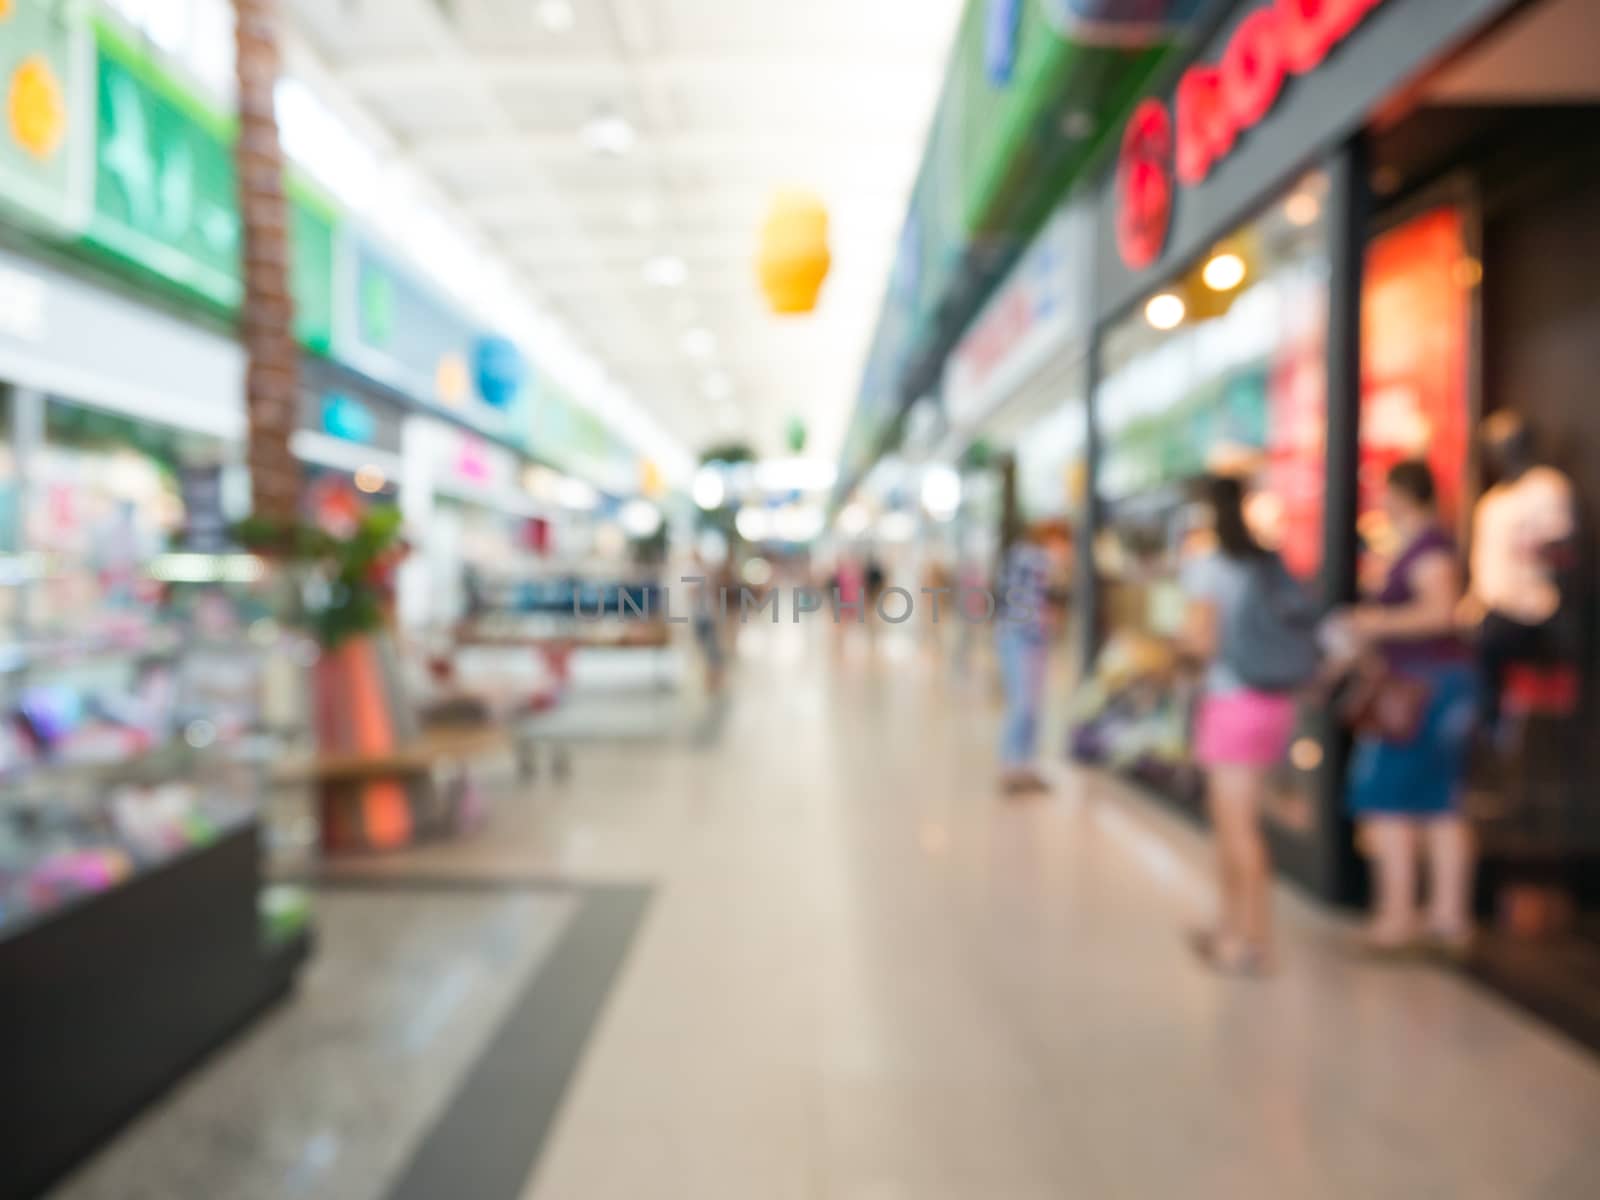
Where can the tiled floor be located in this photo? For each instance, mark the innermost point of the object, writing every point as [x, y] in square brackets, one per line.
[864, 977]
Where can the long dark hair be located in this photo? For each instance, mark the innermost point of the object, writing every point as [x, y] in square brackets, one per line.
[1225, 494]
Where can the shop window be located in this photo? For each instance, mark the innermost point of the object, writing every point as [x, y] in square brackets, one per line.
[1415, 328]
[1222, 371]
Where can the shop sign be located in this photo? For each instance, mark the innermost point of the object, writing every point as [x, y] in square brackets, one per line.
[68, 336]
[313, 225]
[164, 192]
[501, 371]
[42, 83]
[1216, 103]
[348, 418]
[392, 327]
[1040, 306]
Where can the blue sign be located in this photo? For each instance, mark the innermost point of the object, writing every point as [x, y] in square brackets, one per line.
[1000, 46]
[500, 370]
[349, 419]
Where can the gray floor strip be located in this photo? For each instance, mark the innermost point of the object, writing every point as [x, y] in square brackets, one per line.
[489, 1139]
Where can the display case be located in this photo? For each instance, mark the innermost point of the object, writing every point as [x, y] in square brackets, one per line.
[136, 928]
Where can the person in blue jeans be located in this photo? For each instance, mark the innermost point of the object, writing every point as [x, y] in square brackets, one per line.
[1026, 616]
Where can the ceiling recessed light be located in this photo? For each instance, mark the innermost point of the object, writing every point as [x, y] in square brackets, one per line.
[1165, 311]
[557, 15]
[666, 271]
[1302, 209]
[699, 343]
[1223, 272]
[608, 133]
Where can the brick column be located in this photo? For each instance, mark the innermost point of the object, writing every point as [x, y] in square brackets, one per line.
[267, 318]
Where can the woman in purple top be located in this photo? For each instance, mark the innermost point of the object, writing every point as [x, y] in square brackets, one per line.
[1406, 795]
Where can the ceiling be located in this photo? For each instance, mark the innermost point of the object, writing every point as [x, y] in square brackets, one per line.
[729, 101]
[1543, 54]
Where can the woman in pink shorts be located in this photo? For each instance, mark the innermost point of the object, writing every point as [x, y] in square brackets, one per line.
[1240, 736]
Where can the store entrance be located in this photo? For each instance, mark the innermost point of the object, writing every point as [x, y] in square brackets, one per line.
[1503, 141]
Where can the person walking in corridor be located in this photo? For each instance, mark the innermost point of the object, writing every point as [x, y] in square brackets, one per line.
[1405, 782]
[1241, 731]
[1027, 618]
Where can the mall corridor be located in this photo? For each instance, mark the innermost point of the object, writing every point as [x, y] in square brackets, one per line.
[857, 974]
[479, 485]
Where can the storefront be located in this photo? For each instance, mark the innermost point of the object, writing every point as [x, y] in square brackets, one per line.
[479, 525]
[1340, 236]
[1014, 398]
[122, 424]
[348, 443]
[136, 930]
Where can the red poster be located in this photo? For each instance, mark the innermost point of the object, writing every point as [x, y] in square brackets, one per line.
[1415, 326]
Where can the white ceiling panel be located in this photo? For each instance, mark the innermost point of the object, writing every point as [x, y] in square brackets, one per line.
[727, 102]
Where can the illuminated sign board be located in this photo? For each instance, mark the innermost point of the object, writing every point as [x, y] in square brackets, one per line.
[1215, 104]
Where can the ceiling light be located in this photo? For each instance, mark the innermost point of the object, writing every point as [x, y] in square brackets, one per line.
[941, 491]
[1223, 272]
[718, 386]
[370, 479]
[666, 271]
[699, 343]
[608, 133]
[897, 527]
[1165, 311]
[796, 474]
[1302, 209]
[640, 518]
[798, 522]
[576, 494]
[709, 489]
[853, 520]
[542, 483]
[753, 524]
[557, 15]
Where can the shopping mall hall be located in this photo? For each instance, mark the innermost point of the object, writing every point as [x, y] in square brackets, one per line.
[823, 600]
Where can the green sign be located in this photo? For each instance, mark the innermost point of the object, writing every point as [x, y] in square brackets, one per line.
[313, 223]
[164, 194]
[47, 112]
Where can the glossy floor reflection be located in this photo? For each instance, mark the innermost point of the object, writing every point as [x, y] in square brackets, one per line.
[865, 977]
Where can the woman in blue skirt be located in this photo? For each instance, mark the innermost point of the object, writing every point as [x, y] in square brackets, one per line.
[1406, 796]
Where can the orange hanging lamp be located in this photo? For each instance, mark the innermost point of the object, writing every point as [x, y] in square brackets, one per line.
[794, 258]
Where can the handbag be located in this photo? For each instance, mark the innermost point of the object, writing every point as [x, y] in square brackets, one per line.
[1377, 702]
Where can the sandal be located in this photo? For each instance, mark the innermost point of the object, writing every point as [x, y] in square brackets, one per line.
[1452, 947]
[1244, 961]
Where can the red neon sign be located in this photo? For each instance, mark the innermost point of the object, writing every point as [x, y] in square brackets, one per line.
[1217, 102]
[1144, 184]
